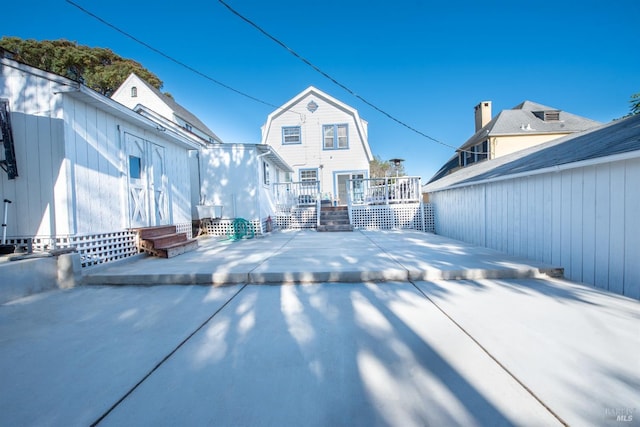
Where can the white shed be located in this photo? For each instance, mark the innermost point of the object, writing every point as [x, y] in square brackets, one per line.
[571, 202]
[86, 164]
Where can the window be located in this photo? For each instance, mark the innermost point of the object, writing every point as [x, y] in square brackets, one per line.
[265, 173]
[335, 137]
[291, 135]
[188, 127]
[308, 177]
[134, 91]
[135, 167]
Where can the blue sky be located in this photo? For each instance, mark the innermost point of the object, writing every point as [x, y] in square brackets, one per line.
[426, 63]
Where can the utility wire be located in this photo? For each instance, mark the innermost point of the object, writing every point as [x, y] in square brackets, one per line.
[170, 58]
[343, 86]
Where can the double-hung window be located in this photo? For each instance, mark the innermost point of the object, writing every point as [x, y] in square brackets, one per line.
[308, 177]
[291, 135]
[335, 137]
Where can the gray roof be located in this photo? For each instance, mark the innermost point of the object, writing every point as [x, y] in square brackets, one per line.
[618, 137]
[182, 112]
[522, 120]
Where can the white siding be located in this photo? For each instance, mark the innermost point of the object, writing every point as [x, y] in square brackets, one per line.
[583, 219]
[232, 176]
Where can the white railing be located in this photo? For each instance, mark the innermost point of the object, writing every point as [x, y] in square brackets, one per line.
[384, 191]
[289, 195]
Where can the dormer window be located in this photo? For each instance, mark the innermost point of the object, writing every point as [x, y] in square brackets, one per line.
[134, 92]
[548, 116]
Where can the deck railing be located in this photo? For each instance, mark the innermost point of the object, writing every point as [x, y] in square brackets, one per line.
[289, 195]
[384, 191]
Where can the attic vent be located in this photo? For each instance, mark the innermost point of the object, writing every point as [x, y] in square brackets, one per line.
[548, 116]
[551, 116]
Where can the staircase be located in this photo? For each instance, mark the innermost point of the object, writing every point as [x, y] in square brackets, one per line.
[164, 241]
[334, 218]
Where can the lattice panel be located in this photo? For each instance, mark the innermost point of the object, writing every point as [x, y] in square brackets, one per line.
[185, 227]
[101, 248]
[297, 218]
[220, 227]
[389, 217]
[429, 218]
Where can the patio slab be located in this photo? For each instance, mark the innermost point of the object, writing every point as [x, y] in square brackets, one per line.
[576, 347]
[309, 256]
[343, 354]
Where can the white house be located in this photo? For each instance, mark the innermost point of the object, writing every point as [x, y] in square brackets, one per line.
[86, 165]
[324, 140]
[571, 202]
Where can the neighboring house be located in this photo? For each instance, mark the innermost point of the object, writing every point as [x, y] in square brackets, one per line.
[571, 202]
[135, 92]
[237, 180]
[86, 165]
[525, 125]
[324, 140]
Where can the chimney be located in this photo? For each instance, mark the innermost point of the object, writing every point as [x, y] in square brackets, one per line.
[483, 114]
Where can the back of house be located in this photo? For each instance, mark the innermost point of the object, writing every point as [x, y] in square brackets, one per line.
[324, 140]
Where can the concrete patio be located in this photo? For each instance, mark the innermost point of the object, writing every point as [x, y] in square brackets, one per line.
[416, 349]
[308, 256]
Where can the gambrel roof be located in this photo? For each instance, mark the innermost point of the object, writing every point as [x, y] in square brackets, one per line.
[613, 141]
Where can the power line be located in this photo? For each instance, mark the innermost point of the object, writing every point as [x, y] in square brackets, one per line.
[170, 58]
[323, 73]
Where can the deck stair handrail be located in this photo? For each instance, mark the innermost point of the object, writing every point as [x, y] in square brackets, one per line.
[384, 191]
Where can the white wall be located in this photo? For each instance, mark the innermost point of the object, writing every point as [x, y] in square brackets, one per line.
[232, 177]
[582, 219]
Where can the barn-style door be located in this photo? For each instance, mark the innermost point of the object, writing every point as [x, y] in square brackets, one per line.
[148, 203]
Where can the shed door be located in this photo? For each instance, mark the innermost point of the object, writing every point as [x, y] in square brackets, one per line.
[137, 181]
[159, 186]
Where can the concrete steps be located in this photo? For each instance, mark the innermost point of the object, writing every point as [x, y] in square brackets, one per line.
[164, 241]
[334, 218]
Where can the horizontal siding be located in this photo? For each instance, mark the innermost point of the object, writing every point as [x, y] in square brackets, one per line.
[580, 219]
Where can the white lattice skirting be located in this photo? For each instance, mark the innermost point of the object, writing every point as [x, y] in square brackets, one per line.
[390, 217]
[297, 218]
[98, 248]
[220, 227]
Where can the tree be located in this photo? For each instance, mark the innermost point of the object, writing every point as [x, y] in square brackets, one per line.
[379, 168]
[98, 68]
[635, 104]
